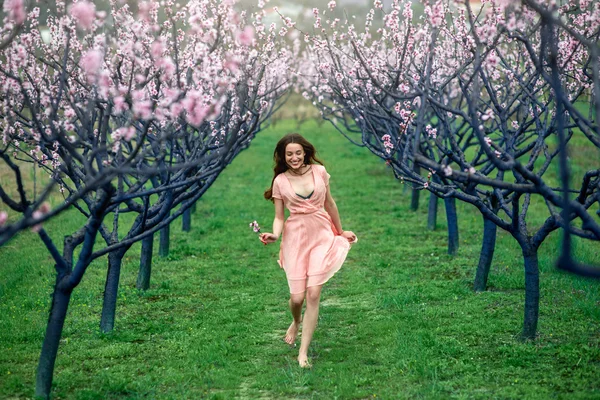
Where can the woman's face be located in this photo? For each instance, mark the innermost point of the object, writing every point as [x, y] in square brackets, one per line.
[294, 155]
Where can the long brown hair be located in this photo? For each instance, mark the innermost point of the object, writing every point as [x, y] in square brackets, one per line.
[279, 157]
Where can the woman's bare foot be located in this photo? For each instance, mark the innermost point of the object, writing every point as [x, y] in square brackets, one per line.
[303, 361]
[292, 332]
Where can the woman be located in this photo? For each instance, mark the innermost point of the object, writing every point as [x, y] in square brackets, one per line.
[314, 246]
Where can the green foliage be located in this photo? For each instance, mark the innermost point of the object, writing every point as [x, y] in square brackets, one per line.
[398, 321]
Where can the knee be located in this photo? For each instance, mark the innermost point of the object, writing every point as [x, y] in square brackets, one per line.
[296, 300]
[313, 295]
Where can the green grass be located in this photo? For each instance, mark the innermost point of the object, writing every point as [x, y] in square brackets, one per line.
[398, 321]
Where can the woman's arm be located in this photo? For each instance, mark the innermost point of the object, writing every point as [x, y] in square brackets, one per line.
[333, 212]
[279, 217]
[267, 237]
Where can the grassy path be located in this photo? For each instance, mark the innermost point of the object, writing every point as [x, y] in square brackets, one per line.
[398, 321]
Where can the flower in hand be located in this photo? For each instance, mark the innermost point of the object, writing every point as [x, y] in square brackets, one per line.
[255, 227]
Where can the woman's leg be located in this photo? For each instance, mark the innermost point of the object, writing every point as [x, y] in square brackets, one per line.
[311, 314]
[296, 301]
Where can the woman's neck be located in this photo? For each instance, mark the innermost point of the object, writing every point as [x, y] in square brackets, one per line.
[300, 172]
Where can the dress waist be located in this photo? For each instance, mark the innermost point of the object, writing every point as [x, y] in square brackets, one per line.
[307, 212]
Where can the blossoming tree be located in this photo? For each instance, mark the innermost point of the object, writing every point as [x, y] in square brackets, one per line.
[569, 111]
[470, 99]
[127, 114]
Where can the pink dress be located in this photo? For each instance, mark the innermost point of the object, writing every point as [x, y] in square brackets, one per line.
[311, 250]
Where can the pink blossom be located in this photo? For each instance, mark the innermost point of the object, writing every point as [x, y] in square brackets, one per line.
[91, 62]
[246, 36]
[142, 109]
[104, 83]
[69, 113]
[289, 23]
[157, 49]
[138, 95]
[117, 135]
[232, 64]
[196, 112]
[435, 14]
[493, 59]
[255, 227]
[407, 13]
[144, 9]
[432, 132]
[171, 94]
[39, 214]
[84, 13]
[120, 104]
[197, 115]
[489, 114]
[129, 133]
[15, 9]
[447, 170]
[176, 109]
[140, 78]
[3, 217]
[21, 53]
[45, 208]
[387, 143]
[123, 133]
[168, 66]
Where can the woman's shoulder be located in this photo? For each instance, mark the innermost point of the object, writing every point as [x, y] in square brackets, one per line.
[319, 167]
[279, 177]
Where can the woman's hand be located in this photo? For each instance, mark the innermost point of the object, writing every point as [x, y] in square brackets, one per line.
[350, 236]
[267, 238]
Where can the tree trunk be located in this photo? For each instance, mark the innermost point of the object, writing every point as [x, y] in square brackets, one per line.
[56, 321]
[452, 219]
[532, 292]
[486, 256]
[432, 212]
[187, 220]
[414, 198]
[143, 279]
[111, 289]
[163, 244]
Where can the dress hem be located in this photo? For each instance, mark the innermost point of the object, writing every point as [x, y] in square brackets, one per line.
[321, 278]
